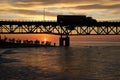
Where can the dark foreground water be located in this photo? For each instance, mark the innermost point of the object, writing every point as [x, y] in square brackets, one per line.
[61, 63]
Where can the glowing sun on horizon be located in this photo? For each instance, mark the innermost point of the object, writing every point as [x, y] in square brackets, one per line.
[45, 39]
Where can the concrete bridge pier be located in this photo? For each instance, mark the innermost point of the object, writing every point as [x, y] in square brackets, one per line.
[64, 41]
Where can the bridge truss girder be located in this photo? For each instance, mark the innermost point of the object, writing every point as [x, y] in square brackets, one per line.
[59, 30]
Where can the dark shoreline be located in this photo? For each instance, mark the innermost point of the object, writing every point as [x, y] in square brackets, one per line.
[17, 45]
[33, 46]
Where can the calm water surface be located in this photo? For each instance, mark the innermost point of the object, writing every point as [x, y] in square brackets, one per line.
[61, 63]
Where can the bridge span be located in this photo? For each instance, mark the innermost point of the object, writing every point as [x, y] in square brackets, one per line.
[65, 25]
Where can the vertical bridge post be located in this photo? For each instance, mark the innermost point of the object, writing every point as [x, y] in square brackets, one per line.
[64, 41]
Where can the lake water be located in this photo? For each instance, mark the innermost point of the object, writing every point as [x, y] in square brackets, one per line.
[79, 62]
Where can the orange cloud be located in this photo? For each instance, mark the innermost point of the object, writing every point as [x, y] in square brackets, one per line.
[34, 8]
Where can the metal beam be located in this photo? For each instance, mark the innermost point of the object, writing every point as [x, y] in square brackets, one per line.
[24, 27]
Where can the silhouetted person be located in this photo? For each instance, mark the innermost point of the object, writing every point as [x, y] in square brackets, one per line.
[24, 41]
[54, 44]
[37, 42]
[0, 37]
[9, 40]
[30, 42]
[42, 43]
[18, 41]
[5, 38]
[12, 40]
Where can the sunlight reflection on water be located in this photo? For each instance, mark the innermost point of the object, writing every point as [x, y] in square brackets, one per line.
[65, 63]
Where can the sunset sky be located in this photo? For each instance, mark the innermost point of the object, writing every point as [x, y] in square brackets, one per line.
[102, 10]
[33, 9]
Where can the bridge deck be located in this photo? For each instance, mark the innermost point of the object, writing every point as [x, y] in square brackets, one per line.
[56, 23]
[49, 27]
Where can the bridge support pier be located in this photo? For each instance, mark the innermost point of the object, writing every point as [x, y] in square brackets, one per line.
[64, 41]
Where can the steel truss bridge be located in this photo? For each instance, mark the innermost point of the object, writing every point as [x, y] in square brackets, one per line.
[60, 28]
[49, 27]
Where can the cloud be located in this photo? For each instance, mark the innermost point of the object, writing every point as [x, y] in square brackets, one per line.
[56, 7]
[62, 1]
[49, 1]
[27, 12]
[99, 6]
[34, 12]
